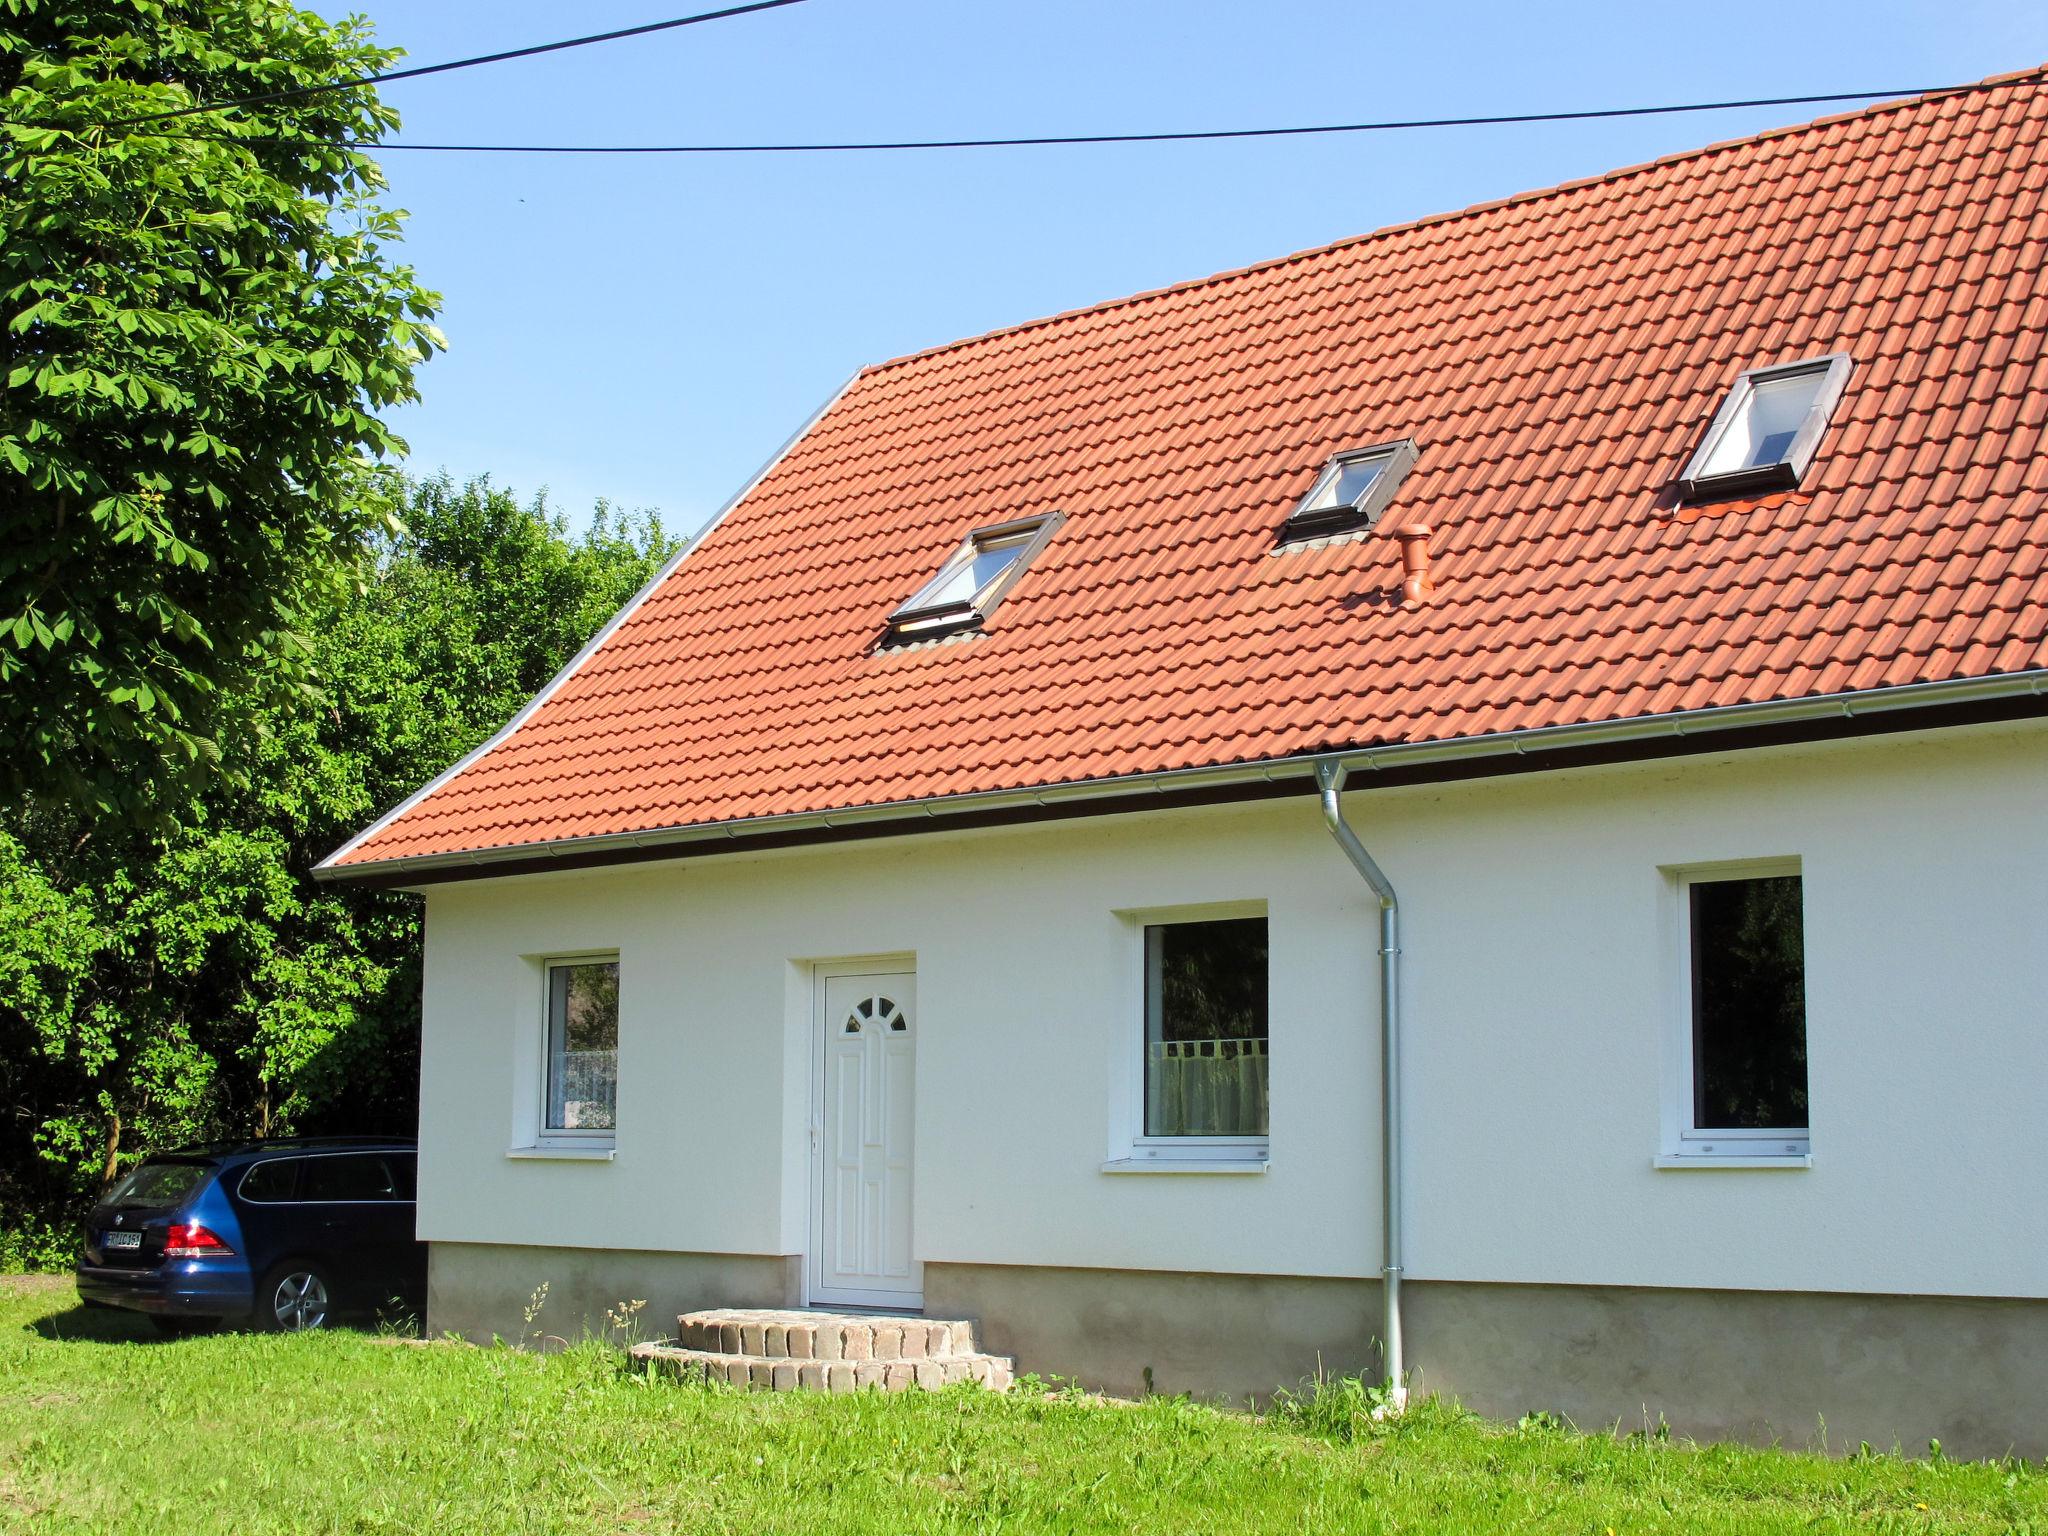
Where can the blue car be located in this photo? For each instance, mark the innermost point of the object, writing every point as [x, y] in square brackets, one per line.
[282, 1235]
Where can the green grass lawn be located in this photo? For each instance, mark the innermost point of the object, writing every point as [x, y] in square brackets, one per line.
[105, 1428]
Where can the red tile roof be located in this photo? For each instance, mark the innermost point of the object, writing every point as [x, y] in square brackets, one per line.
[1557, 355]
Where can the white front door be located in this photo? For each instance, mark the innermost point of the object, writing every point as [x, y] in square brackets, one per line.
[863, 1252]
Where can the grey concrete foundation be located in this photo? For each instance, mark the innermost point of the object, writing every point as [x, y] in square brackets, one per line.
[1122, 1330]
[1805, 1370]
[483, 1289]
[1818, 1371]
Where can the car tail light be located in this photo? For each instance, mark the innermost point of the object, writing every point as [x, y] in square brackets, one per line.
[189, 1240]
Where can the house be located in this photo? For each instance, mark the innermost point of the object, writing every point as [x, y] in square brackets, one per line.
[1483, 787]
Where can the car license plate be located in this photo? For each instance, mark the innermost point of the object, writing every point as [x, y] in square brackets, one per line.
[122, 1240]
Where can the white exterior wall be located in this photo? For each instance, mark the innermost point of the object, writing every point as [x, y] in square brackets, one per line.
[1544, 1017]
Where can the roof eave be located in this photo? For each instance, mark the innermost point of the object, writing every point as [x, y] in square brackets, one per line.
[1469, 756]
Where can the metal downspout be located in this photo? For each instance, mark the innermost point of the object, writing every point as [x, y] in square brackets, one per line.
[1330, 779]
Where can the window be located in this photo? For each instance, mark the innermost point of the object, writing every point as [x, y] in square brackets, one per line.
[354, 1177]
[271, 1181]
[1205, 1032]
[159, 1185]
[1746, 969]
[1351, 492]
[583, 1048]
[975, 577]
[1766, 431]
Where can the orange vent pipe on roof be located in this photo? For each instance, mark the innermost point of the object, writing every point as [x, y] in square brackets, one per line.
[1416, 585]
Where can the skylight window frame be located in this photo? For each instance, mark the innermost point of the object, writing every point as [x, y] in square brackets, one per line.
[1784, 473]
[921, 619]
[1346, 517]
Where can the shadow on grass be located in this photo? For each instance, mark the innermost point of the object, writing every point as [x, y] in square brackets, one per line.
[111, 1325]
[78, 1324]
[67, 1320]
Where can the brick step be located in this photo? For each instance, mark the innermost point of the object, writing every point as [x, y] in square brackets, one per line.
[781, 1373]
[828, 1336]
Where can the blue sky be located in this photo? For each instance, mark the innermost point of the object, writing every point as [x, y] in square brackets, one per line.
[650, 330]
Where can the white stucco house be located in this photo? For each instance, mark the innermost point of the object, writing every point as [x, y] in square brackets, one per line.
[1473, 802]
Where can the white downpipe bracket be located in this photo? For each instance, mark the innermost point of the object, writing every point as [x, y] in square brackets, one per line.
[1330, 781]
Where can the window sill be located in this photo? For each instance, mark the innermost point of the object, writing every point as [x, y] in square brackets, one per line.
[599, 1152]
[1733, 1160]
[1187, 1165]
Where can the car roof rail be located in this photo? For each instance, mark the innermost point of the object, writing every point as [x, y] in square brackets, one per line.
[248, 1144]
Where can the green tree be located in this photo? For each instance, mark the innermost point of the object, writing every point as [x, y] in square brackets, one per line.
[199, 322]
[159, 985]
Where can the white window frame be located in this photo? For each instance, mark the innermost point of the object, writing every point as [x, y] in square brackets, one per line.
[1784, 473]
[919, 618]
[1311, 522]
[545, 1137]
[1686, 1143]
[1131, 1150]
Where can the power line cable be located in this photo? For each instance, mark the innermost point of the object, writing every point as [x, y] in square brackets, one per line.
[1184, 136]
[453, 64]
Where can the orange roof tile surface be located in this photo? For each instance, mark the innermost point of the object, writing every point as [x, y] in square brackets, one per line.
[1557, 356]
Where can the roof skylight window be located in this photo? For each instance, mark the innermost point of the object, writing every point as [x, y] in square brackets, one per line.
[1766, 431]
[975, 577]
[1351, 492]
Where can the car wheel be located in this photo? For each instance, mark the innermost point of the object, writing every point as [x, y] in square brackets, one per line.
[295, 1297]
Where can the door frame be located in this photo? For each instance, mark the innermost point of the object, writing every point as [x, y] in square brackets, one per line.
[822, 972]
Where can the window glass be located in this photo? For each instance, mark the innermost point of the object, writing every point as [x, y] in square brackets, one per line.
[404, 1174]
[156, 1185]
[1205, 1028]
[355, 1176]
[1352, 491]
[972, 580]
[1346, 485]
[272, 1180]
[1748, 1005]
[970, 573]
[583, 1045]
[1770, 418]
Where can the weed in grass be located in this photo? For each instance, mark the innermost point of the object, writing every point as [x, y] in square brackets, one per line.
[1052, 1385]
[1342, 1408]
[530, 1315]
[622, 1323]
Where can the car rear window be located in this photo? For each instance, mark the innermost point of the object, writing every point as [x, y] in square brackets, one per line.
[272, 1180]
[355, 1176]
[160, 1183]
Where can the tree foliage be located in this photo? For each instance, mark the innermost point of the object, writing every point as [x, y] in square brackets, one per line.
[159, 985]
[199, 323]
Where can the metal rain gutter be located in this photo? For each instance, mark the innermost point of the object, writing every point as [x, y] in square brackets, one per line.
[1330, 775]
[936, 810]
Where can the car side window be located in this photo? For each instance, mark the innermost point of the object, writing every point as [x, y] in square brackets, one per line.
[271, 1181]
[357, 1176]
[405, 1175]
